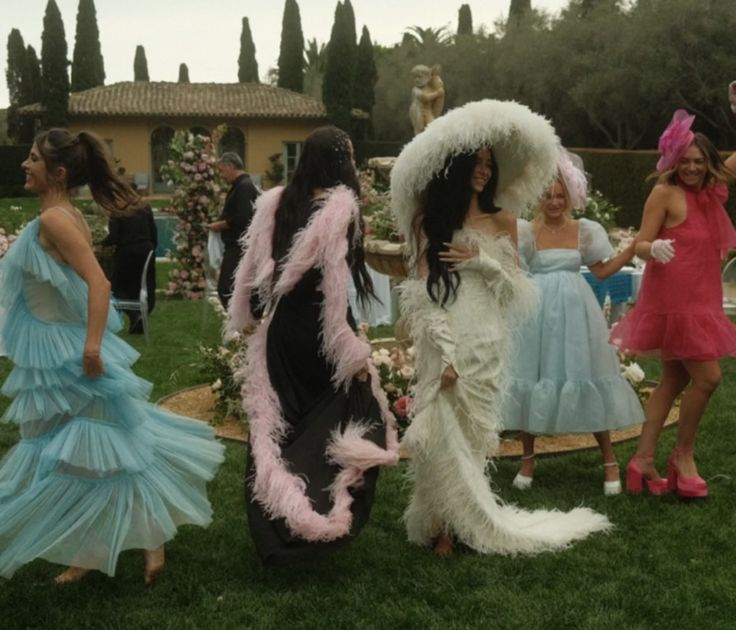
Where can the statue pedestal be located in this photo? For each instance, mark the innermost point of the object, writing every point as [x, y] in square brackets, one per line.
[381, 167]
[386, 258]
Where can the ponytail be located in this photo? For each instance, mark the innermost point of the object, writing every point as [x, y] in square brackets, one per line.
[86, 161]
[109, 190]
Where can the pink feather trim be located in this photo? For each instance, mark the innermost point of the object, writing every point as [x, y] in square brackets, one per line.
[348, 448]
[256, 266]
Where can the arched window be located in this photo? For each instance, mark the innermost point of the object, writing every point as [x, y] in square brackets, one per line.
[201, 131]
[233, 140]
[161, 138]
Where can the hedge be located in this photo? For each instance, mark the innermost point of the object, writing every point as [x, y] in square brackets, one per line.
[620, 175]
[12, 177]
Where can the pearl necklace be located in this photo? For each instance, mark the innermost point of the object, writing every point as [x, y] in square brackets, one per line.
[554, 230]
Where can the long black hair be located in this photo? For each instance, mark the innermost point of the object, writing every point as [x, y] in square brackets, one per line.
[87, 161]
[444, 205]
[326, 161]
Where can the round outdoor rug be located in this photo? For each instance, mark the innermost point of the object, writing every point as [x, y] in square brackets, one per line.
[199, 402]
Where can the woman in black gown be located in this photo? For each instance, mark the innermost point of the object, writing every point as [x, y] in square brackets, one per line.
[319, 422]
[134, 237]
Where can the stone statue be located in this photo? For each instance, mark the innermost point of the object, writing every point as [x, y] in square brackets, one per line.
[428, 96]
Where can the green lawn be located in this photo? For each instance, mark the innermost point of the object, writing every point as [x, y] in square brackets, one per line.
[15, 211]
[667, 564]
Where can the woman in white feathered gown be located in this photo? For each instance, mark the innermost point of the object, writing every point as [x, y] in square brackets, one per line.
[464, 293]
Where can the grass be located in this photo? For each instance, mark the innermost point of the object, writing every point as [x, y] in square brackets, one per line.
[26, 208]
[666, 564]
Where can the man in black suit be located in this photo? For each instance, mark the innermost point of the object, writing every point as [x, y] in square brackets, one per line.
[234, 220]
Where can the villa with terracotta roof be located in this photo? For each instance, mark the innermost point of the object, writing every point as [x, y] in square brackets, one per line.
[138, 119]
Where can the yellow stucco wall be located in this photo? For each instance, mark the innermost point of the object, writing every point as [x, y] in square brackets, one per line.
[131, 137]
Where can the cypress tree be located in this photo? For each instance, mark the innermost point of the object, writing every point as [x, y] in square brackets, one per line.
[34, 75]
[88, 68]
[351, 60]
[140, 65]
[518, 11]
[291, 53]
[183, 73]
[16, 70]
[366, 75]
[350, 29]
[16, 77]
[464, 20]
[247, 64]
[336, 91]
[54, 62]
[31, 94]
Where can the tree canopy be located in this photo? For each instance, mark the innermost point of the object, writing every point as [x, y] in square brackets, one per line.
[54, 62]
[88, 67]
[291, 52]
[247, 64]
[464, 20]
[365, 74]
[16, 76]
[607, 73]
[140, 65]
[183, 73]
[339, 75]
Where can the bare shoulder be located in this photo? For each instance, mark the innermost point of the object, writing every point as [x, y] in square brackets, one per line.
[58, 223]
[54, 221]
[505, 220]
[505, 223]
[662, 193]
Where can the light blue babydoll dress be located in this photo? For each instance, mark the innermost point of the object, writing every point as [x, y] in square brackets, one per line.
[98, 469]
[564, 375]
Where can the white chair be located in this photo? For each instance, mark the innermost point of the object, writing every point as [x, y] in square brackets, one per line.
[211, 268]
[140, 182]
[728, 279]
[141, 304]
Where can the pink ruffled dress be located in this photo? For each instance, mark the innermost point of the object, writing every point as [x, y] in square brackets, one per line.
[679, 313]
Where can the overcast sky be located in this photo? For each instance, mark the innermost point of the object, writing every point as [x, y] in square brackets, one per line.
[205, 34]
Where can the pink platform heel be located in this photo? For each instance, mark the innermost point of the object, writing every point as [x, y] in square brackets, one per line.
[687, 487]
[635, 478]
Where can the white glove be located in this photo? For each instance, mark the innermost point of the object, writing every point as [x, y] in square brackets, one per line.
[662, 250]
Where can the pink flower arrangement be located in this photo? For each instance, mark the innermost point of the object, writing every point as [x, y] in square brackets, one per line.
[402, 406]
[395, 369]
[197, 201]
[675, 140]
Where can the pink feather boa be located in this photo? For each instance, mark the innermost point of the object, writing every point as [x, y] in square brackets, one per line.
[322, 243]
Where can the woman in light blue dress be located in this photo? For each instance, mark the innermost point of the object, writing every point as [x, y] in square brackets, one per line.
[97, 469]
[565, 376]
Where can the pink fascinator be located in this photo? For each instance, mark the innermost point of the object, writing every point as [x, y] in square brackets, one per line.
[570, 167]
[675, 140]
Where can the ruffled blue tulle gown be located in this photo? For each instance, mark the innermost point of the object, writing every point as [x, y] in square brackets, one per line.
[98, 469]
[564, 374]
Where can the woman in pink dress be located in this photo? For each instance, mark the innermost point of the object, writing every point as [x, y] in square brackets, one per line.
[685, 233]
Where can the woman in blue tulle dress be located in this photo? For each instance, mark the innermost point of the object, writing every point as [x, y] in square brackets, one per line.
[565, 376]
[97, 470]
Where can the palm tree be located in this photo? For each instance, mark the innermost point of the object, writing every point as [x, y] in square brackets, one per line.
[315, 61]
[424, 37]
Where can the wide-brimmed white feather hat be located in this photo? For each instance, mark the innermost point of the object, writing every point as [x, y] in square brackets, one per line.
[524, 144]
